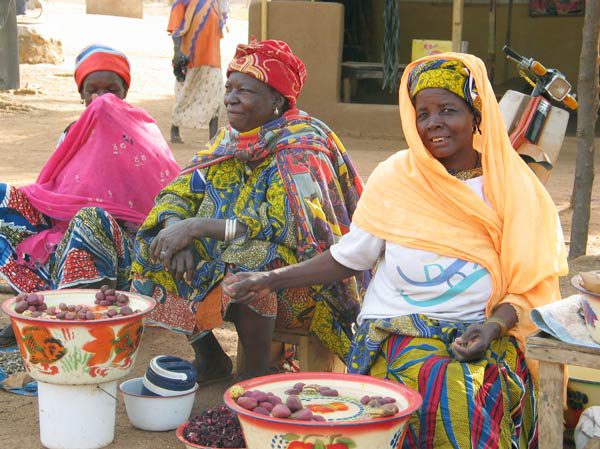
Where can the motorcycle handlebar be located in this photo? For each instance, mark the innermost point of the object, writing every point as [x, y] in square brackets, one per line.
[513, 54]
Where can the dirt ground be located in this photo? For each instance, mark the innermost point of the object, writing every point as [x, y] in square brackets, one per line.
[32, 118]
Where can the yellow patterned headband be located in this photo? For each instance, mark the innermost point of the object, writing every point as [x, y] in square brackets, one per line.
[448, 74]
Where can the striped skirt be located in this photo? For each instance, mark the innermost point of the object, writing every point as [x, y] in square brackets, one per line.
[488, 403]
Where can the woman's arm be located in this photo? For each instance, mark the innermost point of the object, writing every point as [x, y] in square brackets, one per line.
[322, 269]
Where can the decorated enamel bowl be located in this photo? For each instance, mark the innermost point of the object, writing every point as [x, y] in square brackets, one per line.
[79, 352]
[590, 305]
[348, 423]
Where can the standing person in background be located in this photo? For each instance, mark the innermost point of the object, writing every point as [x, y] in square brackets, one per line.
[196, 28]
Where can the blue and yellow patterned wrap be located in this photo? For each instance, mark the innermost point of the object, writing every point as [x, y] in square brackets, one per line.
[296, 203]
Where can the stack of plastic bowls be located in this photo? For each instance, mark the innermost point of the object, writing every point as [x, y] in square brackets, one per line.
[164, 397]
[169, 376]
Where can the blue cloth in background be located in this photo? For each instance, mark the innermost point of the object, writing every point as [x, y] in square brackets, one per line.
[21, 7]
[28, 390]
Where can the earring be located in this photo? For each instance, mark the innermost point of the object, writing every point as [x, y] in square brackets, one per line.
[276, 111]
[82, 101]
[474, 129]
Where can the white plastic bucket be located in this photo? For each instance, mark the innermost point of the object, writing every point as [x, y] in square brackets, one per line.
[77, 416]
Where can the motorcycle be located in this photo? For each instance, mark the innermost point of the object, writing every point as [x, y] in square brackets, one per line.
[537, 127]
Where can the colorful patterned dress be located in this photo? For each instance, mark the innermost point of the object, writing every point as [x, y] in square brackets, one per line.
[199, 97]
[75, 225]
[296, 203]
[95, 247]
[483, 404]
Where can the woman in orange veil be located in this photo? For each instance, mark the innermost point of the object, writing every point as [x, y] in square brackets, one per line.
[466, 242]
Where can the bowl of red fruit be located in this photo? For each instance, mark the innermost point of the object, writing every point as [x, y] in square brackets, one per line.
[78, 337]
[322, 411]
[216, 428]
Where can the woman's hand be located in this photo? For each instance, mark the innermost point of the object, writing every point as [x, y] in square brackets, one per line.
[182, 265]
[176, 236]
[474, 343]
[247, 287]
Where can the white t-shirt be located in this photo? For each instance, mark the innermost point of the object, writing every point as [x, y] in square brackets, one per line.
[411, 280]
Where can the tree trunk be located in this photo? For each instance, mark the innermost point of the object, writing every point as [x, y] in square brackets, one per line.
[587, 92]
[9, 46]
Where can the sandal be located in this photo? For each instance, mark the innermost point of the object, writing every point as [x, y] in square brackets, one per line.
[7, 337]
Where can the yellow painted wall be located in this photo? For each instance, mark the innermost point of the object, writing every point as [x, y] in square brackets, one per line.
[554, 41]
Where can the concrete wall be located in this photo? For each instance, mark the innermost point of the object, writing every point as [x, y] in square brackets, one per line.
[123, 8]
[315, 31]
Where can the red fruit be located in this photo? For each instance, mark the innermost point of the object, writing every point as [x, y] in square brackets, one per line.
[336, 446]
[21, 307]
[125, 311]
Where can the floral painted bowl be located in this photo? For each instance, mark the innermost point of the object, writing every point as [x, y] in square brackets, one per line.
[188, 444]
[79, 352]
[348, 424]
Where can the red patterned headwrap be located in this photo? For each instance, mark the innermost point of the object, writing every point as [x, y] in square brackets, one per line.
[271, 62]
[101, 57]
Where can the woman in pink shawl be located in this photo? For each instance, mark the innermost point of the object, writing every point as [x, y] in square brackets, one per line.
[74, 227]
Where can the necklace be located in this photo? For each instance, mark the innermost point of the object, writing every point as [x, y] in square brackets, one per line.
[469, 173]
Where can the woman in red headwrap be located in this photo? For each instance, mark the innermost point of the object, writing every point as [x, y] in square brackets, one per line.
[74, 227]
[273, 188]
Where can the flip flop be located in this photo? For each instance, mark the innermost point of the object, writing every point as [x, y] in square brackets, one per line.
[7, 337]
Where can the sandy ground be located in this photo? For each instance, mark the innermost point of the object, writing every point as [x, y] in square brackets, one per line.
[32, 119]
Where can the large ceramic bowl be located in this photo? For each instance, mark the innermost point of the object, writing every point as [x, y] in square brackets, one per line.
[79, 352]
[347, 425]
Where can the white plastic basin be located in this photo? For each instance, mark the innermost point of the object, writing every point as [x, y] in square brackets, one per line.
[155, 413]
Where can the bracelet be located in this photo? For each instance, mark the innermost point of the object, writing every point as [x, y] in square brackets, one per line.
[230, 229]
[500, 322]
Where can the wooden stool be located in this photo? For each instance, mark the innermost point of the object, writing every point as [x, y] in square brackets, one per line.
[312, 355]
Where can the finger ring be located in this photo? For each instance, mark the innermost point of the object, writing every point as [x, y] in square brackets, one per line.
[163, 253]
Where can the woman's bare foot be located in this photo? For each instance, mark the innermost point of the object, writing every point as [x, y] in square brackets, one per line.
[212, 363]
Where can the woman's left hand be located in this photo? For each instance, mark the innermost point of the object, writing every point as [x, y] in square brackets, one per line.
[172, 239]
[474, 343]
